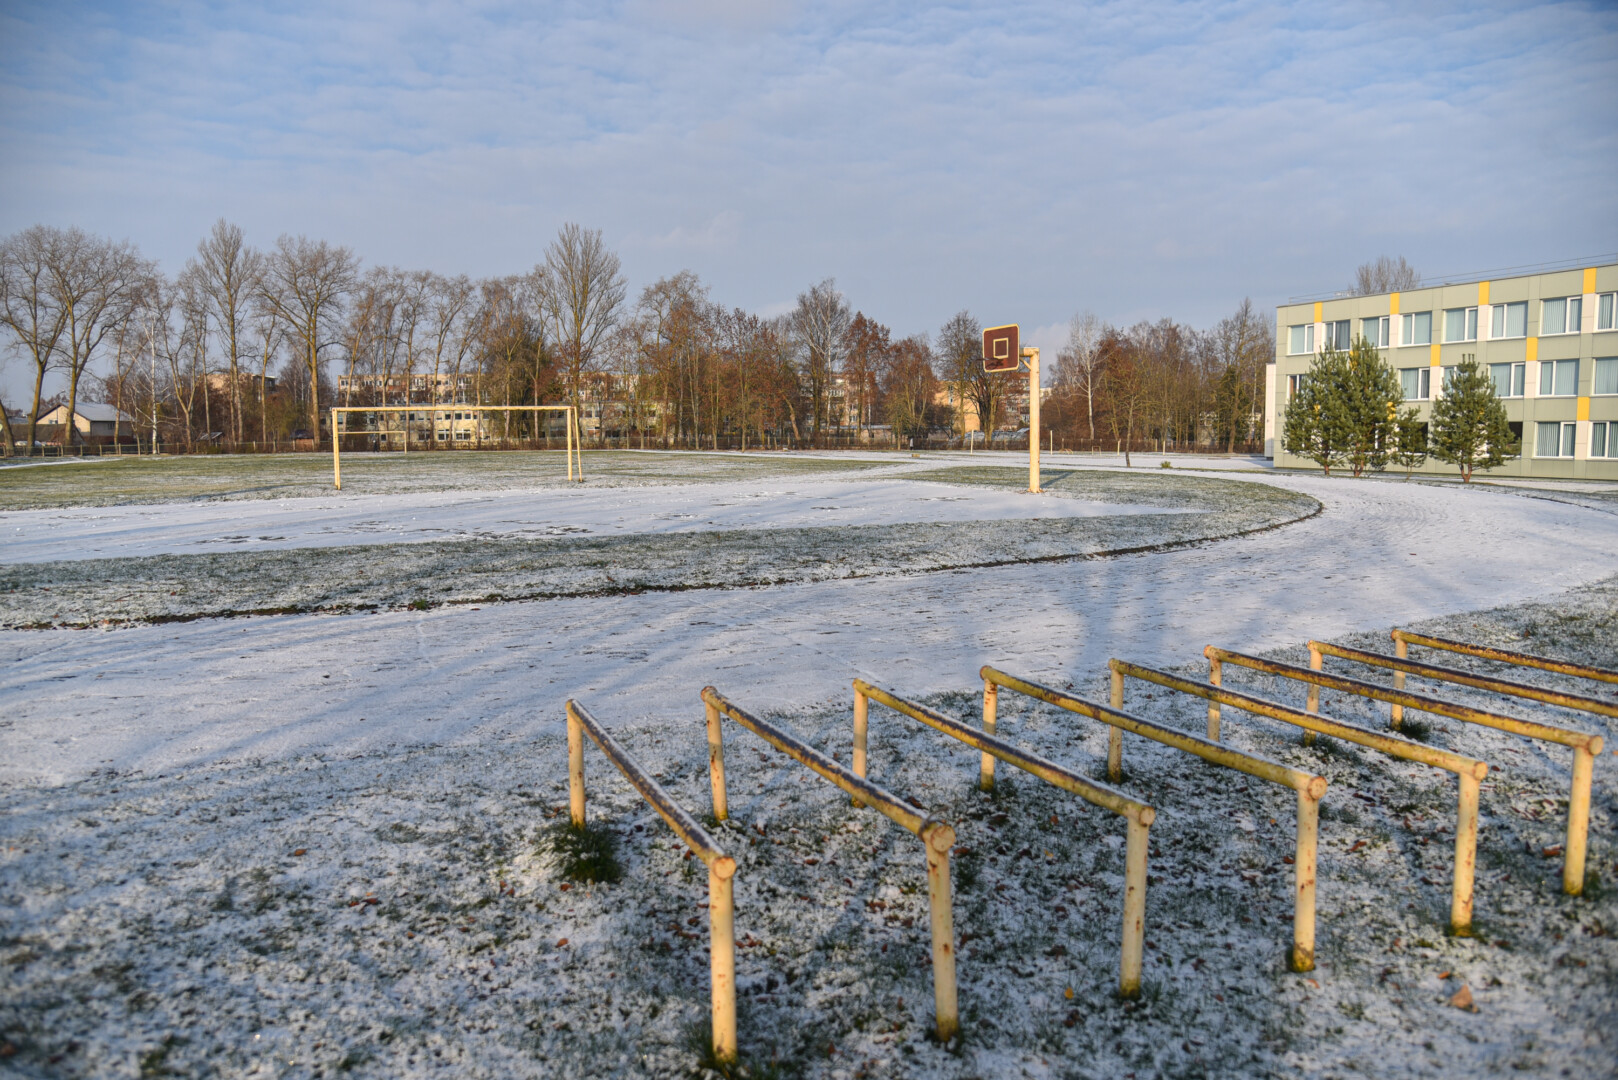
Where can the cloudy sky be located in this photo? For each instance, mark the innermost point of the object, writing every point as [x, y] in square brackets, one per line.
[1025, 161]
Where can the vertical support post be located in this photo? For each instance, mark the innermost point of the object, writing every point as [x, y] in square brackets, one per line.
[406, 416]
[1135, 847]
[1313, 705]
[862, 711]
[1466, 855]
[1303, 890]
[1032, 354]
[575, 770]
[991, 706]
[1396, 716]
[1115, 735]
[722, 956]
[336, 454]
[1216, 672]
[939, 838]
[1578, 822]
[716, 763]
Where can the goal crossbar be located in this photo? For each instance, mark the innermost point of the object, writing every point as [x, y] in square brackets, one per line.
[575, 454]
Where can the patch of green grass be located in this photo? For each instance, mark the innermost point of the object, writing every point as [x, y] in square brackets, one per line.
[1418, 730]
[587, 854]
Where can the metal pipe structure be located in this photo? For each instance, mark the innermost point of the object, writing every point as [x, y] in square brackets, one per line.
[1309, 787]
[574, 444]
[1468, 771]
[721, 867]
[1507, 656]
[1585, 746]
[937, 836]
[1137, 814]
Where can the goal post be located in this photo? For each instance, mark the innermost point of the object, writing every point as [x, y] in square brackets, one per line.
[575, 455]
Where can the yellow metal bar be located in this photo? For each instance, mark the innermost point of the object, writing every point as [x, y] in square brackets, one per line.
[1105, 797]
[1207, 749]
[722, 962]
[879, 799]
[1397, 713]
[1507, 656]
[1437, 706]
[991, 711]
[716, 764]
[861, 713]
[1466, 858]
[1136, 843]
[336, 455]
[1303, 881]
[1115, 737]
[1313, 705]
[1578, 822]
[684, 825]
[1215, 676]
[939, 838]
[575, 770]
[1466, 678]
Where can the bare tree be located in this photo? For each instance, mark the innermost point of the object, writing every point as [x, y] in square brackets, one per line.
[1386, 274]
[820, 322]
[97, 284]
[306, 283]
[228, 274]
[27, 306]
[1242, 345]
[1078, 365]
[269, 333]
[581, 290]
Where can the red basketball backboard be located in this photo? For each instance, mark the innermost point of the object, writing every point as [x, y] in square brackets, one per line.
[1000, 351]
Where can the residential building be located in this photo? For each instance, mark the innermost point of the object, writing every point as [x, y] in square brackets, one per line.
[1548, 340]
[96, 424]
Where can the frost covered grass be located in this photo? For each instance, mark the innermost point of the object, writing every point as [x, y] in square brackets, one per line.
[405, 911]
[123, 480]
[485, 570]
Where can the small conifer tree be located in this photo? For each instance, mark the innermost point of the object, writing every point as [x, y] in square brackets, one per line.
[1314, 426]
[1409, 441]
[1371, 393]
[1469, 427]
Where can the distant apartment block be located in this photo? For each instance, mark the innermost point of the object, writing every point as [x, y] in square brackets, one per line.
[1549, 341]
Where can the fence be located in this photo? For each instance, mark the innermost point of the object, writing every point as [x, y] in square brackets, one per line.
[1309, 788]
[936, 836]
[1138, 815]
[1469, 771]
[721, 867]
[573, 451]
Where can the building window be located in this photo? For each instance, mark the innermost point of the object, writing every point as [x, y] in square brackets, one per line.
[1604, 439]
[1510, 320]
[1561, 316]
[1416, 329]
[1461, 324]
[1554, 439]
[1301, 339]
[1338, 335]
[1294, 384]
[1606, 308]
[1417, 382]
[1558, 378]
[1510, 380]
[1606, 380]
[1375, 331]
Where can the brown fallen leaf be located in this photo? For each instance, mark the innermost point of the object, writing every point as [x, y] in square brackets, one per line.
[562, 943]
[1444, 974]
[1553, 852]
[301, 851]
[1357, 845]
[1463, 1000]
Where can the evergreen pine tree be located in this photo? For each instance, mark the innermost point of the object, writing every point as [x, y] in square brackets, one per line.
[1371, 395]
[1469, 427]
[1409, 441]
[1315, 426]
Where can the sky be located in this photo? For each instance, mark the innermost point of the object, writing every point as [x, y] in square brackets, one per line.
[1023, 161]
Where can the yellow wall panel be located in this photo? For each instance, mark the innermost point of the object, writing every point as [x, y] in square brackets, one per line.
[1435, 354]
[1533, 349]
[1319, 307]
[1584, 408]
[1393, 304]
[1590, 280]
[1483, 293]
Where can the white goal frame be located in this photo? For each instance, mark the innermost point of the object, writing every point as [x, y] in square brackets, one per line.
[575, 452]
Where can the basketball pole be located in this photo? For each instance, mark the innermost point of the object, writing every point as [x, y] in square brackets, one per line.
[1031, 354]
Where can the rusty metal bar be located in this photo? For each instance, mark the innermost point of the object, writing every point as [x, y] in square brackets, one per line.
[1585, 745]
[991, 709]
[1464, 767]
[1138, 815]
[937, 836]
[721, 867]
[1507, 656]
[1309, 787]
[1466, 678]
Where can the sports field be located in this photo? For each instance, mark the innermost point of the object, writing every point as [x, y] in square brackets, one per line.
[324, 840]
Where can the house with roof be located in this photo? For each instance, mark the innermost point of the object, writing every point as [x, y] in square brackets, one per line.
[95, 423]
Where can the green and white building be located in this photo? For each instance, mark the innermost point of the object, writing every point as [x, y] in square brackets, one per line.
[1549, 341]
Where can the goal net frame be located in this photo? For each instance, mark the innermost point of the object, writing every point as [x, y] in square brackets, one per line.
[575, 452]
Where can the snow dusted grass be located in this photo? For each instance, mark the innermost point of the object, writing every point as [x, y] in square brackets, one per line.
[123, 480]
[391, 914]
[427, 574]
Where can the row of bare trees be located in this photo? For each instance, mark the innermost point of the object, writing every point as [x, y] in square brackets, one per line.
[192, 357]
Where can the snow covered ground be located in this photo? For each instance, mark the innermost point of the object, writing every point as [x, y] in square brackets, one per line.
[159, 779]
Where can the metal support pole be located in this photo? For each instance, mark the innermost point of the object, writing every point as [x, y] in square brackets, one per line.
[939, 838]
[1313, 706]
[716, 764]
[991, 704]
[575, 771]
[722, 957]
[1134, 908]
[1397, 714]
[1466, 857]
[336, 454]
[862, 710]
[1216, 672]
[1115, 735]
[1303, 891]
[1578, 822]
[1032, 355]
